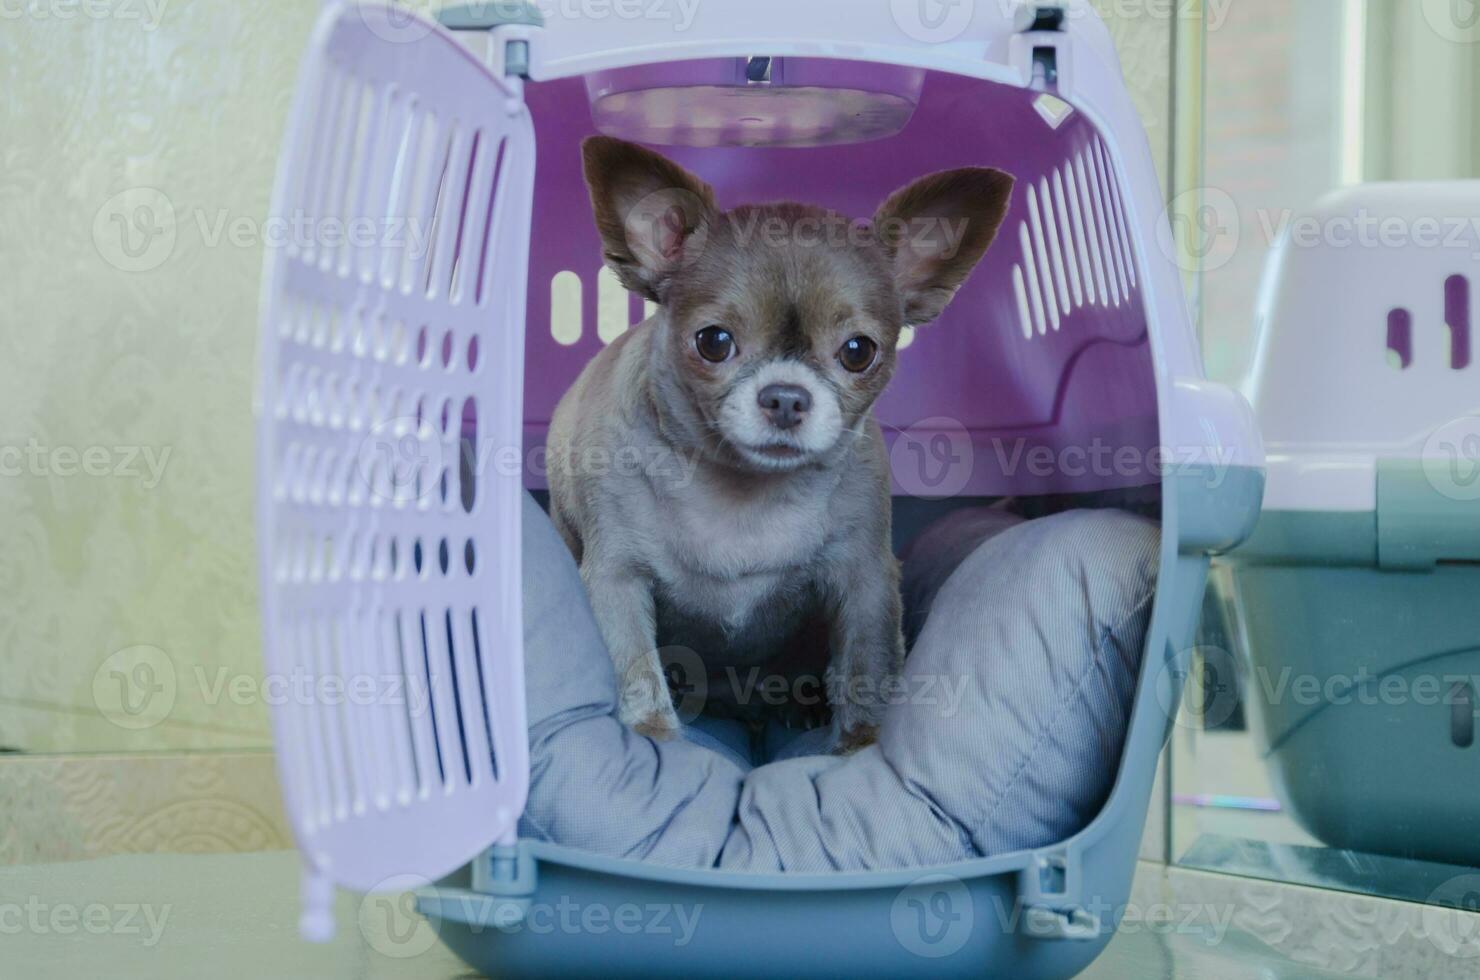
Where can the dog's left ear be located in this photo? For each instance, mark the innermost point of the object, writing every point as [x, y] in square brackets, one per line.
[936, 230]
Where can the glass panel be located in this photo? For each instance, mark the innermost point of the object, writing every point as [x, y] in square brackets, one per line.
[1330, 718]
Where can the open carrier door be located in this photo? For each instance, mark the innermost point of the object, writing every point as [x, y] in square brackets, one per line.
[389, 442]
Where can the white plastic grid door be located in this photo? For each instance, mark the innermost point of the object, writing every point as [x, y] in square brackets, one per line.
[389, 440]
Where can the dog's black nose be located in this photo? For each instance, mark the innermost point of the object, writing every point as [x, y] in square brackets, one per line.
[785, 405]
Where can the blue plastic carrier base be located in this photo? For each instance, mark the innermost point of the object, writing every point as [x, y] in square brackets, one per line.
[1361, 665]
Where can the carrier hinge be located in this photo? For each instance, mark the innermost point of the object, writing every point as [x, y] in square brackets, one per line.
[506, 24]
[1049, 890]
[1042, 18]
[504, 881]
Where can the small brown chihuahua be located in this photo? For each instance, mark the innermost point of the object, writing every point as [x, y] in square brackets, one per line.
[775, 331]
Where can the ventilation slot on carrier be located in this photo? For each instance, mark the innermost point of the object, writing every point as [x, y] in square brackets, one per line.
[1400, 338]
[1457, 318]
[1075, 244]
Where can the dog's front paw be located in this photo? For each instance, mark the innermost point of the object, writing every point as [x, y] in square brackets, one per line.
[858, 737]
[644, 704]
[658, 727]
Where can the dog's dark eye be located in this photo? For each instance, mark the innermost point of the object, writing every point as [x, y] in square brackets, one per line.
[858, 354]
[714, 344]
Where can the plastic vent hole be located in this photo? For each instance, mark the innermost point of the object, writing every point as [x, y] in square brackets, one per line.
[483, 688]
[457, 698]
[434, 681]
[473, 354]
[423, 348]
[1462, 714]
[369, 558]
[565, 308]
[360, 341]
[333, 405]
[1457, 318]
[291, 380]
[373, 411]
[489, 220]
[447, 348]
[320, 332]
[439, 213]
[470, 557]
[416, 558]
[467, 461]
[459, 259]
[1400, 339]
[358, 556]
[443, 556]
[399, 342]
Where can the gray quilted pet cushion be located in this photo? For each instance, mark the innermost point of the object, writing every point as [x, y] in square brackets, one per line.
[1016, 701]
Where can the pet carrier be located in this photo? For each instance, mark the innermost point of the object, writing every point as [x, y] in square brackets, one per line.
[1353, 604]
[1066, 369]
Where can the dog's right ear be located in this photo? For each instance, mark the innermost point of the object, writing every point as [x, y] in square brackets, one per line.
[652, 214]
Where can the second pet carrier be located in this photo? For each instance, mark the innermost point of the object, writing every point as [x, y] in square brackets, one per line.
[1354, 603]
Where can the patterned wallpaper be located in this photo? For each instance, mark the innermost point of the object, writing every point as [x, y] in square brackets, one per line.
[140, 140]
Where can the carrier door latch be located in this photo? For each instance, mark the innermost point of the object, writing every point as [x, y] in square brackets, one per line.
[1046, 923]
[1048, 889]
